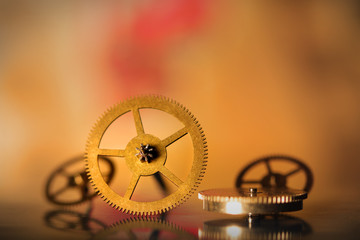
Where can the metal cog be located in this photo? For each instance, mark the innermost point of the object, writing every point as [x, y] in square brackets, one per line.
[252, 200]
[136, 165]
[280, 180]
[75, 180]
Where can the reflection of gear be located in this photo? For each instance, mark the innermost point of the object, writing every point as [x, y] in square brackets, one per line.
[274, 178]
[70, 221]
[267, 227]
[252, 201]
[132, 227]
[143, 168]
[76, 179]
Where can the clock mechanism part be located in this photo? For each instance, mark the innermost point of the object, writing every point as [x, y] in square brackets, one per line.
[273, 197]
[146, 155]
[252, 201]
[75, 187]
[274, 177]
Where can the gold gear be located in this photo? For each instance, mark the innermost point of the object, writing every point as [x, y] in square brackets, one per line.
[145, 168]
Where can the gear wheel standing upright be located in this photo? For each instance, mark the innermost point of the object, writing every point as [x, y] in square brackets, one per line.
[146, 155]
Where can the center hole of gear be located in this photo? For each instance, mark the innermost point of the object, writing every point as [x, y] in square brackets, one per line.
[146, 153]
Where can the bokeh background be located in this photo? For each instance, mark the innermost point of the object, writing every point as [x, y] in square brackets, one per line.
[263, 77]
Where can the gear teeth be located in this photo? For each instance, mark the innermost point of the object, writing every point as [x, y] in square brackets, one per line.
[264, 197]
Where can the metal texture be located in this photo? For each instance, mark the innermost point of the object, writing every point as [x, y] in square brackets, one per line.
[244, 201]
[185, 187]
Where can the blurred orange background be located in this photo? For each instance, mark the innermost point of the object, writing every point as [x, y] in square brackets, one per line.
[262, 77]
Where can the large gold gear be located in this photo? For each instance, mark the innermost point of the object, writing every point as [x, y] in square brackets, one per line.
[136, 148]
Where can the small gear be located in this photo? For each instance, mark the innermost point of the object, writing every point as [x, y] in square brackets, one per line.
[274, 177]
[146, 155]
[252, 201]
[76, 182]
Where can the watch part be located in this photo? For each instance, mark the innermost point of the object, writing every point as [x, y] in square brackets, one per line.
[274, 177]
[146, 155]
[74, 183]
[252, 201]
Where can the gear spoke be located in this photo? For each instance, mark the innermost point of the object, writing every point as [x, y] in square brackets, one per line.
[63, 220]
[268, 167]
[84, 190]
[293, 171]
[130, 190]
[174, 137]
[111, 152]
[250, 181]
[65, 173]
[138, 122]
[61, 190]
[169, 175]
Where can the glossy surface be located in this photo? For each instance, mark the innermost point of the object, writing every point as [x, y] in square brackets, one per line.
[328, 219]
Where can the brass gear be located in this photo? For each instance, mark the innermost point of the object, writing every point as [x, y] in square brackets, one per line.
[145, 168]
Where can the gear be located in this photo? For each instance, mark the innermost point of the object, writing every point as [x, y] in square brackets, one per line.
[274, 178]
[252, 200]
[75, 180]
[142, 161]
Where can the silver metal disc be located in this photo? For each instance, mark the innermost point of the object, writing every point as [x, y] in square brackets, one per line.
[252, 201]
